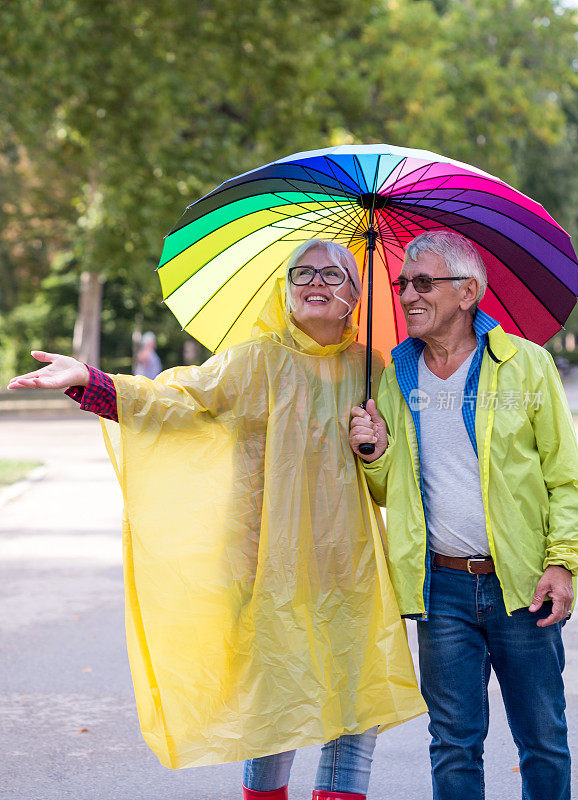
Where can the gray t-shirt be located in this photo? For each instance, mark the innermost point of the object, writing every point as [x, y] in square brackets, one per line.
[449, 465]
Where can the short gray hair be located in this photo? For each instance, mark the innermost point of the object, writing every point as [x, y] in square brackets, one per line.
[148, 338]
[459, 255]
[336, 253]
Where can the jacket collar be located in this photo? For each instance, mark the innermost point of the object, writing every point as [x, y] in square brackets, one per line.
[483, 324]
[501, 344]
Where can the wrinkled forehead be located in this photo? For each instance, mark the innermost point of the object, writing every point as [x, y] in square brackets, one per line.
[427, 263]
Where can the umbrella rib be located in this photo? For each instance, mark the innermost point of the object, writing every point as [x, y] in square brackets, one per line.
[341, 199]
[422, 173]
[397, 167]
[450, 164]
[286, 216]
[336, 214]
[411, 217]
[509, 312]
[394, 184]
[519, 277]
[336, 211]
[373, 191]
[359, 174]
[320, 217]
[384, 217]
[388, 249]
[331, 164]
[246, 304]
[224, 187]
[255, 293]
[414, 184]
[339, 230]
[457, 193]
[347, 229]
[386, 263]
[467, 221]
[429, 192]
[220, 287]
[442, 211]
[390, 228]
[466, 205]
[349, 213]
[299, 205]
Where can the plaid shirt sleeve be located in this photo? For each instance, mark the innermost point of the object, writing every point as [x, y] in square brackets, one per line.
[99, 396]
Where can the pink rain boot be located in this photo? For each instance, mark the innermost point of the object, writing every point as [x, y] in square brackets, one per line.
[318, 794]
[274, 794]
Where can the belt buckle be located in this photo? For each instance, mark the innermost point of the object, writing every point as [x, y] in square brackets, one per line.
[475, 561]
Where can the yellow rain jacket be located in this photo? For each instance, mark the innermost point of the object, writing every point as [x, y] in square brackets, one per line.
[260, 613]
[528, 457]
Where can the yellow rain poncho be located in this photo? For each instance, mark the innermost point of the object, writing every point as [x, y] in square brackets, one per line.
[260, 614]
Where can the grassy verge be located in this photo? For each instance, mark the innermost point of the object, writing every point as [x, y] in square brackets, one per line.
[12, 471]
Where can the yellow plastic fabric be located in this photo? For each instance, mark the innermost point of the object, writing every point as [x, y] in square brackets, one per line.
[260, 614]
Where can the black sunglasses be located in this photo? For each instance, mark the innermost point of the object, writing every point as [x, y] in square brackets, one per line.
[421, 283]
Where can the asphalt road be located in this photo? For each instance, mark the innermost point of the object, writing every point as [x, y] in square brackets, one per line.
[68, 722]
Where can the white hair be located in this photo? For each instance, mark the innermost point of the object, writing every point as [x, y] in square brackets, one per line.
[148, 338]
[458, 253]
[338, 255]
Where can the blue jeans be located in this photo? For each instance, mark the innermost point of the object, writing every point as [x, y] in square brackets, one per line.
[344, 766]
[467, 634]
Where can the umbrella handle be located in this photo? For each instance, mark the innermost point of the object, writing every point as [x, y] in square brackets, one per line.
[367, 448]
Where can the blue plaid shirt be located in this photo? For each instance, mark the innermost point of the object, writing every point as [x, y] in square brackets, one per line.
[406, 357]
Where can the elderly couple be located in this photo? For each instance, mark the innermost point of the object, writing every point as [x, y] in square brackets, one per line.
[261, 610]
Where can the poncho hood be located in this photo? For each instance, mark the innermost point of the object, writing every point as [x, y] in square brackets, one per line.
[275, 323]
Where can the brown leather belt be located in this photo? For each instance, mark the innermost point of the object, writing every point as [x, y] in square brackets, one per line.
[476, 565]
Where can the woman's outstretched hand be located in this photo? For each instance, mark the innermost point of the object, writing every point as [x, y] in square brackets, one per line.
[61, 372]
[367, 426]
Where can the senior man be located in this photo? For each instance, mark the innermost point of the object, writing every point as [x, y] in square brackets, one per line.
[476, 460]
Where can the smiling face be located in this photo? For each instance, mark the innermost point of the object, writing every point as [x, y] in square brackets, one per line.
[432, 314]
[316, 303]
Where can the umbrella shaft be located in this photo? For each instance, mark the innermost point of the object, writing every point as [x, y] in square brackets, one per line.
[371, 244]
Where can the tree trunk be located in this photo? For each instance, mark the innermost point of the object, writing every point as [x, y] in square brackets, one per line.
[86, 339]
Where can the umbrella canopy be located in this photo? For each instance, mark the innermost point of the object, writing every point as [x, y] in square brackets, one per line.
[219, 262]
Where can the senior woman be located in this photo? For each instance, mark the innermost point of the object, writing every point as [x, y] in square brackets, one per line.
[260, 614]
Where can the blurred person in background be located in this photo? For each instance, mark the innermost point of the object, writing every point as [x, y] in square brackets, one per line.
[148, 362]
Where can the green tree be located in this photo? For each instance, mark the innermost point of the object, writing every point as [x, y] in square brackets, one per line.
[115, 115]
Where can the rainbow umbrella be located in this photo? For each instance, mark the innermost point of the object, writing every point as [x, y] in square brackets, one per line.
[219, 262]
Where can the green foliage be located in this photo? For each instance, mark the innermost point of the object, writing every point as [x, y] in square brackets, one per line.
[114, 115]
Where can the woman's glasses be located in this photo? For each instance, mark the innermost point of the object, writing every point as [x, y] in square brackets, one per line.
[421, 283]
[332, 276]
